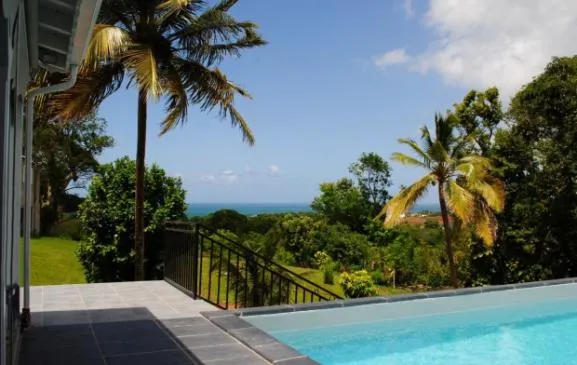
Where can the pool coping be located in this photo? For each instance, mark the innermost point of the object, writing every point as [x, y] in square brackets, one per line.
[279, 353]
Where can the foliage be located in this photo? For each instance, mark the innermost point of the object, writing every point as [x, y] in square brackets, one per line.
[373, 176]
[342, 202]
[169, 50]
[227, 219]
[321, 259]
[468, 189]
[348, 248]
[357, 284]
[65, 156]
[107, 215]
[329, 275]
[537, 156]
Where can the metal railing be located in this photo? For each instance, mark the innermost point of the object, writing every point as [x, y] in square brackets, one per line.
[230, 275]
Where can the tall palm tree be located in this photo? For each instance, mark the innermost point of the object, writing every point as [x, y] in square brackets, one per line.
[467, 189]
[167, 49]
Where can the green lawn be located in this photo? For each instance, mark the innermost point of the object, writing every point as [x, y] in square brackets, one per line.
[53, 261]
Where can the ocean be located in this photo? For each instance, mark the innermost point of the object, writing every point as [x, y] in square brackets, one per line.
[202, 209]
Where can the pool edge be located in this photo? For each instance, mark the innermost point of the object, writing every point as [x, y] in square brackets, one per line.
[340, 303]
[257, 340]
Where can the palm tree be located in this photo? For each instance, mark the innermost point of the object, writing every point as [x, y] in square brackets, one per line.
[168, 49]
[467, 190]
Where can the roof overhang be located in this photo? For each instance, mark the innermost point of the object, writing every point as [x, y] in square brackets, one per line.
[58, 32]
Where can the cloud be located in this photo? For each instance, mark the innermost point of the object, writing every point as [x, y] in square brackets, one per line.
[394, 57]
[248, 170]
[408, 8]
[273, 170]
[503, 43]
[208, 178]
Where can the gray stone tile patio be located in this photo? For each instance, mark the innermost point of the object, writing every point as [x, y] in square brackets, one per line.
[125, 323]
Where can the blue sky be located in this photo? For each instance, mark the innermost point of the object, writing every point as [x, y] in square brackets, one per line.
[338, 78]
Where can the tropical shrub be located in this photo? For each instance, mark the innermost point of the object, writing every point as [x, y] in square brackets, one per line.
[357, 284]
[107, 216]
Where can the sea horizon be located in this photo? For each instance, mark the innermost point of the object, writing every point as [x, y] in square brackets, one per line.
[251, 209]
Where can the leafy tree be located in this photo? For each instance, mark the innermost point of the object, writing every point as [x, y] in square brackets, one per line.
[346, 247]
[538, 229]
[467, 189]
[107, 216]
[227, 219]
[343, 202]
[296, 233]
[65, 159]
[478, 118]
[373, 176]
[166, 49]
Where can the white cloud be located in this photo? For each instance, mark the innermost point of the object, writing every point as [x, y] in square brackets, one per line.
[394, 57]
[408, 8]
[227, 172]
[273, 170]
[208, 178]
[503, 43]
[248, 170]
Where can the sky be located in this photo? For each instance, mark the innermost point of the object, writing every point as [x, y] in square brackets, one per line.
[339, 78]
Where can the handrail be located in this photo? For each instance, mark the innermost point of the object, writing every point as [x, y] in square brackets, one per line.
[254, 253]
[237, 273]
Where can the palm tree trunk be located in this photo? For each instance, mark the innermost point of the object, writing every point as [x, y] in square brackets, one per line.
[139, 201]
[448, 238]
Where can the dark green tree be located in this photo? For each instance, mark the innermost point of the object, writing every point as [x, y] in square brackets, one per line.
[107, 216]
[343, 202]
[373, 175]
[538, 229]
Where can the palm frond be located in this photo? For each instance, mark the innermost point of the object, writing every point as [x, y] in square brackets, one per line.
[407, 160]
[177, 103]
[418, 150]
[492, 190]
[485, 223]
[394, 209]
[209, 88]
[460, 201]
[142, 62]
[106, 44]
[91, 88]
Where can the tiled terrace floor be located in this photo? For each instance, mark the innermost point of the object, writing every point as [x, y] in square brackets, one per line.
[142, 323]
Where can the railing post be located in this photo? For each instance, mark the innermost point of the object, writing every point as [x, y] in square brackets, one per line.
[195, 248]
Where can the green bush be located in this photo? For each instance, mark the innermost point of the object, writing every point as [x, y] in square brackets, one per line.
[329, 275]
[357, 284]
[321, 259]
[379, 278]
[107, 217]
[70, 228]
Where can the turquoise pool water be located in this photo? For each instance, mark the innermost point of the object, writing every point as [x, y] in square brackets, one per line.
[536, 334]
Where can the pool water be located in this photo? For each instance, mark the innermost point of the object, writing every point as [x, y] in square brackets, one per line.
[537, 334]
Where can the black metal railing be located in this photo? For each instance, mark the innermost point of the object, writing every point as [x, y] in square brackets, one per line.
[230, 275]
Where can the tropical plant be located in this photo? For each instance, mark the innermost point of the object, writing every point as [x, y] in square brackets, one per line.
[107, 216]
[468, 191]
[169, 49]
[357, 284]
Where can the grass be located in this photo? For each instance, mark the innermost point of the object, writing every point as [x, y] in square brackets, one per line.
[317, 277]
[53, 261]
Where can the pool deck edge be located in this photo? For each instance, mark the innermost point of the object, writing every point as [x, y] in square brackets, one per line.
[257, 340]
[340, 303]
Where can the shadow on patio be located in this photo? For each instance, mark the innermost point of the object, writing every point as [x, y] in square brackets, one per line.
[102, 324]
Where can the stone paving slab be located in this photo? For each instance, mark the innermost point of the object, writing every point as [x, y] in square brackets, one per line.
[144, 323]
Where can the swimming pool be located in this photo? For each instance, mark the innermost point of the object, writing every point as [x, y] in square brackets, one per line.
[527, 325]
